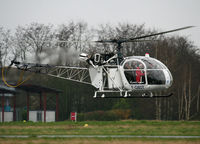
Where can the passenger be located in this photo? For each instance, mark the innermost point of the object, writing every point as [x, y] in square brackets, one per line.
[134, 65]
[127, 66]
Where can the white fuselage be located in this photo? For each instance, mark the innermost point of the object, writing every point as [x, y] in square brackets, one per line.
[137, 73]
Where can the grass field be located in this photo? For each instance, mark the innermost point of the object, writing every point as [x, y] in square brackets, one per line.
[132, 127]
[96, 141]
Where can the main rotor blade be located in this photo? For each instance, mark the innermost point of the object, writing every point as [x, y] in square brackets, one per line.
[140, 41]
[122, 41]
[160, 33]
[12, 61]
[107, 41]
[119, 41]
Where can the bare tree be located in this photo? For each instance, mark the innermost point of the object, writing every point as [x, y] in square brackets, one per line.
[34, 39]
[5, 43]
[123, 31]
[73, 38]
[62, 46]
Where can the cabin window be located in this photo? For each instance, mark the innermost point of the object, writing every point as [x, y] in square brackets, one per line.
[152, 64]
[155, 77]
[134, 72]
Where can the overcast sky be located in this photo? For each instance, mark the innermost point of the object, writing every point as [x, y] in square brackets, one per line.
[159, 14]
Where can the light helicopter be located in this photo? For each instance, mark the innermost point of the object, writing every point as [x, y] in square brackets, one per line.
[128, 77]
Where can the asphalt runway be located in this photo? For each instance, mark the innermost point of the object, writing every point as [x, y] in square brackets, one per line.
[98, 136]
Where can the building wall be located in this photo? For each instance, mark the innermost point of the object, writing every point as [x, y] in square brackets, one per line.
[50, 116]
[8, 116]
[33, 116]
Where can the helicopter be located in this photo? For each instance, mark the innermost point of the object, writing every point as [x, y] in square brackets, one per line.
[128, 77]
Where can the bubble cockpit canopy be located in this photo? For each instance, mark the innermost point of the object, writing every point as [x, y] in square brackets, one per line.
[146, 70]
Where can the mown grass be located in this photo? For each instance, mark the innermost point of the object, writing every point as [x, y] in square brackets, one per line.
[97, 141]
[131, 127]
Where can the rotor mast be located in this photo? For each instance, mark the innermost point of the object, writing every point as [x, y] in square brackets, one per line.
[119, 54]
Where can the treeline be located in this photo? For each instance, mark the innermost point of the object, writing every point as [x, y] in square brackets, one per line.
[61, 45]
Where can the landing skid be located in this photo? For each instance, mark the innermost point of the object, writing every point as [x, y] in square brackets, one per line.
[127, 94]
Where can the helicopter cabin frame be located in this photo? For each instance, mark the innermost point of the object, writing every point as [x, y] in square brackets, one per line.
[136, 73]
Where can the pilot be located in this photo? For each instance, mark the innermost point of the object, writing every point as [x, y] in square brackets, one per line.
[139, 73]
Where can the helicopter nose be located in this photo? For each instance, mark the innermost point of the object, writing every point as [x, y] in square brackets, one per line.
[168, 77]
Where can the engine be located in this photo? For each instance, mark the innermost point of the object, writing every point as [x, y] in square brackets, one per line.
[83, 57]
[98, 59]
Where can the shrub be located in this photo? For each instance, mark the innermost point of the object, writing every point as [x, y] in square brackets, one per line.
[122, 113]
[112, 115]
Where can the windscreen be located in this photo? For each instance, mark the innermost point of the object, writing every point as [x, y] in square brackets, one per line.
[155, 77]
[154, 71]
[152, 64]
